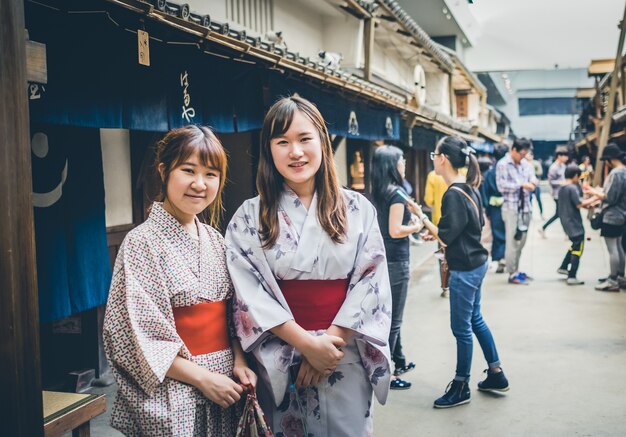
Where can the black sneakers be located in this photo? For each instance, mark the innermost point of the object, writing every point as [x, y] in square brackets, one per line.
[400, 370]
[399, 384]
[495, 382]
[457, 393]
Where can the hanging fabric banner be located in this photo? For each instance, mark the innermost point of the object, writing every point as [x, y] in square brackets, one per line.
[344, 116]
[95, 80]
[73, 267]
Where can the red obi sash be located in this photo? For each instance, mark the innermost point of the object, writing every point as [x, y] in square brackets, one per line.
[203, 327]
[314, 303]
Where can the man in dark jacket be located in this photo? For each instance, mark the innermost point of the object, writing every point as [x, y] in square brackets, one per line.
[492, 200]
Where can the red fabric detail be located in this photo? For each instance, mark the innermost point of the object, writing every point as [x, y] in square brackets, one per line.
[203, 327]
[314, 303]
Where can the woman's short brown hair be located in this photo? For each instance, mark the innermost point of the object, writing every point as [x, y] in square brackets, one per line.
[178, 145]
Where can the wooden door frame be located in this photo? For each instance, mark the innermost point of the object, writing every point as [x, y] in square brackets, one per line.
[20, 365]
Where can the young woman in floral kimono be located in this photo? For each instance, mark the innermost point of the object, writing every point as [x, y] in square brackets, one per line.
[166, 328]
[312, 302]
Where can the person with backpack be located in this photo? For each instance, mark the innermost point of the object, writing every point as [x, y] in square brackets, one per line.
[460, 232]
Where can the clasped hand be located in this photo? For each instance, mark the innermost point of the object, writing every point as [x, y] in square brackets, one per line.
[324, 353]
[223, 390]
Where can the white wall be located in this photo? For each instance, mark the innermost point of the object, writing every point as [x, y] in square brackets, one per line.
[473, 108]
[344, 35]
[391, 66]
[215, 8]
[302, 27]
[438, 92]
[117, 176]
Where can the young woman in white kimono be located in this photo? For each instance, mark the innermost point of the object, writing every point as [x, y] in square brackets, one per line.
[167, 331]
[312, 302]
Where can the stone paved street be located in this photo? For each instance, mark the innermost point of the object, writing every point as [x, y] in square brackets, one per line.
[563, 349]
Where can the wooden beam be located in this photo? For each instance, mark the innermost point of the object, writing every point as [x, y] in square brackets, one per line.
[36, 66]
[20, 368]
[608, 115]
[368, 48]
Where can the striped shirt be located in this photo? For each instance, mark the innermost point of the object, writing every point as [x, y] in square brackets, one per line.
[510, 177]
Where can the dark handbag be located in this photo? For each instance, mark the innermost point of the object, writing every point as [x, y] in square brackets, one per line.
[596, 219]
[253, 422]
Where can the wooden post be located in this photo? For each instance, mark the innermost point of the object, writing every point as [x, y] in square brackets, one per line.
[368, 48]
[608, 116]
[452, 95]
[20, 373]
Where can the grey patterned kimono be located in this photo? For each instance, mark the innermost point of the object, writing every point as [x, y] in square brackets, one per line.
[341, 404]
[159, 267]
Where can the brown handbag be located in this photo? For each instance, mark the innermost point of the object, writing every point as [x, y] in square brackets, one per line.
[444, 272]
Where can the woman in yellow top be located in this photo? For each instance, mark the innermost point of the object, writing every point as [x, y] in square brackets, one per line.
[435, 187]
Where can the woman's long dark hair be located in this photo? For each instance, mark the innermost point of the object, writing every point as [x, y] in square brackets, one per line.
[461, 155]
[385, 177]
[331, 206]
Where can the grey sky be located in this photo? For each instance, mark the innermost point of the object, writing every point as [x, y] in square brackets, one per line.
[537, 34]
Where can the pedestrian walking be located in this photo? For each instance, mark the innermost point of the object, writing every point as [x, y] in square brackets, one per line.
[394, 220]
[515, 179]
[313, 302]
[586, 175]
[538, 168]
[460, 231]
[556, 177]
[167, 335]
[570, 201]
[613, 210]
[493, 201]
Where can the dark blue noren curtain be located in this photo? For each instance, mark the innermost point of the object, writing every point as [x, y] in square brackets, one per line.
[95, 80]
[345, 116]
[424, 139]
[70, 232]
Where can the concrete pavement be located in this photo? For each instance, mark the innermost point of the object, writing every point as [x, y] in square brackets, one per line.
[562, 347]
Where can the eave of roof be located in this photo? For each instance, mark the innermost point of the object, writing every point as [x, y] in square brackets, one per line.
[471, 77]
[421, 37]
[237, 40]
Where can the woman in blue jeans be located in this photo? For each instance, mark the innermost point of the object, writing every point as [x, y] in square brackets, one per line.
[394, 219]
[459, 231]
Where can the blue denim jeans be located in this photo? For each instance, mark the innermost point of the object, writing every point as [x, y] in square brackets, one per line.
[465, 318]
[399, 281]
[499, 234]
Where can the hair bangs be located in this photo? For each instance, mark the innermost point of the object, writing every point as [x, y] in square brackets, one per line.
[282, 119]
[210, 151]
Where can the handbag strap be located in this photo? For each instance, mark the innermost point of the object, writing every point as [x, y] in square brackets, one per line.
[470, 199]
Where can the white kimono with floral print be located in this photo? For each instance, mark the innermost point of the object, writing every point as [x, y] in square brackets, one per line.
[304, 251]
[160, 266]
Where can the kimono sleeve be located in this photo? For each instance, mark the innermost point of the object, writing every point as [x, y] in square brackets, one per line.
[367, 308]
[140, 336]
[256, 309]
